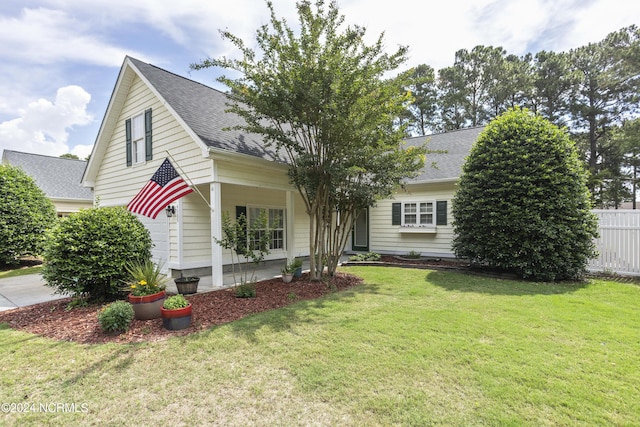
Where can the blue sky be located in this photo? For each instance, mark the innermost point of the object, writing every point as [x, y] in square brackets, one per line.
[59, 59]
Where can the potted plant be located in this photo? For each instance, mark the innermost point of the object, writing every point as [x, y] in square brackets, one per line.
[147, 289]
[176, 313]
[187, 285]
[296, 265]
[287, 273]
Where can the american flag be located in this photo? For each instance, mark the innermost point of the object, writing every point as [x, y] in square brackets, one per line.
[164, 187]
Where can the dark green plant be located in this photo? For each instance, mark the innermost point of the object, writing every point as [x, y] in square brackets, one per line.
[25, 214]
[522, 203]
[246, 290]
[175, 302]
[86, 253]
[369, 256]
[116, 317]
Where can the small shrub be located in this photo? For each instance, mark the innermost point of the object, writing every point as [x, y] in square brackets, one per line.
[246, 290]
[369, 256]
[291, 296]
[116, 317]
[175, 302]
[413, 255]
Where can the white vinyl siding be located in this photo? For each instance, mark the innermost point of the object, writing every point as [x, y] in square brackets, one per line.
[387, 238]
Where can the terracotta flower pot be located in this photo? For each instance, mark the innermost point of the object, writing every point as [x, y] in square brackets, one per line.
[147, 307]
[177, 319]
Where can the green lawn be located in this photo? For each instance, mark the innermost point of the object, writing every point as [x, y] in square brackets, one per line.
[409, 347]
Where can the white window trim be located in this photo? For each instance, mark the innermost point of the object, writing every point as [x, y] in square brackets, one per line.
[284, 223]
[134, 154]
[417, 225]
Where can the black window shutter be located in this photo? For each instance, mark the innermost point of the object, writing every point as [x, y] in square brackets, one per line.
[396, 214]
[147, 135]
[241, 212]
[127, 127]
[441, 212]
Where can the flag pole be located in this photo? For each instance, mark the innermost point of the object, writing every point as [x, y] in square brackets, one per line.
[183, 173]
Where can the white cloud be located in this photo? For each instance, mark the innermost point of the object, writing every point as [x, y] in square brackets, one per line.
[43, 125]
[46, 36]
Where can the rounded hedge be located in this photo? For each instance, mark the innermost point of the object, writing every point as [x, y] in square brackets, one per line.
[522, 203]
[25, 214]
[87, 252]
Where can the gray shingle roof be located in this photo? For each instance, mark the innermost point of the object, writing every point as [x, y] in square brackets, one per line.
[58, 178]
[448, 166]
[203, 109]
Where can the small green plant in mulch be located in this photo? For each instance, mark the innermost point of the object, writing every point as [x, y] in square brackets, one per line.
[175, 302]
[116, 317]
[291, 296]
[369, 256]
[246, 290]
[413, 255]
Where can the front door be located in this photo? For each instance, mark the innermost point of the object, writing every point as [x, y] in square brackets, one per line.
[360, 235]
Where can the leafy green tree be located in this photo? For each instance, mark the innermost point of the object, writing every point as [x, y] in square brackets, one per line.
[25, 214]
[552, 83]
[87, 253]
[451, 98]
[421, 112]
[69, 156]
[321, 96]
[522, 203]
[605, 92]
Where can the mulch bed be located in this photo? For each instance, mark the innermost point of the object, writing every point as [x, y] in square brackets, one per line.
[51, 319]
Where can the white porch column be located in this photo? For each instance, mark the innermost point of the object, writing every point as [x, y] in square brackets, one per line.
[291, 214]
[216, 228]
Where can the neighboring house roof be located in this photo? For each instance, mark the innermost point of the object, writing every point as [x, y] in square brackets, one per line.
[57, 177]
[445, 166]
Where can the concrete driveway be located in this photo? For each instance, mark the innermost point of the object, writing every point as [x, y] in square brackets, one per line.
[24, 290]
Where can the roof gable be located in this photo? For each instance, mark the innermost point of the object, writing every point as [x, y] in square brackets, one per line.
[57, 177]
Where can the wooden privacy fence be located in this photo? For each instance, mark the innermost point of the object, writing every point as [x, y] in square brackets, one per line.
[619, 242]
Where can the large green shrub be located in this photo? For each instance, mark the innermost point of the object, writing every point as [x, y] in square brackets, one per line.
[87, 252]
[522, 203]
[25, 214]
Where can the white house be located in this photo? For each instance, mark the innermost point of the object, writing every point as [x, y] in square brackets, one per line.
[154, 114]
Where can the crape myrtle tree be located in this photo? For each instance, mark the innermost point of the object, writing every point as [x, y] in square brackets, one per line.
[25, 214]
[522, 203]
[321, 95]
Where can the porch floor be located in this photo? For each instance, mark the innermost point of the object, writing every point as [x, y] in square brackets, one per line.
[266, 272]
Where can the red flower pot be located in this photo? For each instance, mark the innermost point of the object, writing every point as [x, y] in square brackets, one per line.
[179, 318]
[147, 307]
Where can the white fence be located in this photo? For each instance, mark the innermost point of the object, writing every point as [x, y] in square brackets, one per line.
[619, 242]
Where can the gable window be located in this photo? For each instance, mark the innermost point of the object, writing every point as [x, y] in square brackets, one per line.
[138, 138]
[276, 221]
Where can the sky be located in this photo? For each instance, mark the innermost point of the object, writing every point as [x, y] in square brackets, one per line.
[59, 59]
